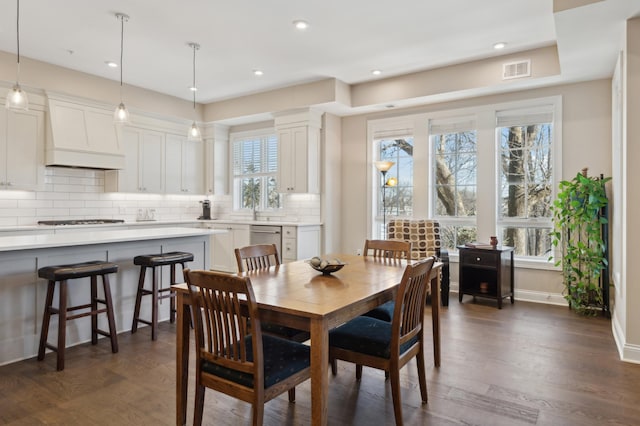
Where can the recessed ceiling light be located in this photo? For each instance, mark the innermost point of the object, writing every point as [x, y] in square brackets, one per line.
[301, 25]
[111, 64]
[193, 89]
[376, 72]
[257, 73]
[499, 45]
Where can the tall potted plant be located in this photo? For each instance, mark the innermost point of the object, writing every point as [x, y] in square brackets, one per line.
[578, 231]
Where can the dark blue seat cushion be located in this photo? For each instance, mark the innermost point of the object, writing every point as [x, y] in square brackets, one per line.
[383, 312]
[284, 331]
[282, 358]
[366, 335]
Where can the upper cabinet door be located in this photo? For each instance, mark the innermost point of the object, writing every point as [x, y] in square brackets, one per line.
[22, 150]
[152, 162]
[184, 166]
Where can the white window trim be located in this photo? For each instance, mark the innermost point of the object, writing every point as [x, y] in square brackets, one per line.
[233, 138]
[417, 125]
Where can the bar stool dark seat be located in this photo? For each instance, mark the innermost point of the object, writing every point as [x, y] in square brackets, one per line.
[153, 261]
[61, 274]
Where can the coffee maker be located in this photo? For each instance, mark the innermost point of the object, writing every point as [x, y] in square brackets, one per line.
[206, 210]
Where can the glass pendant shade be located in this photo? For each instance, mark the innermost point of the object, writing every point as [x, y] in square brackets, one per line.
[17, 99]
[194, 132]
[121, 114]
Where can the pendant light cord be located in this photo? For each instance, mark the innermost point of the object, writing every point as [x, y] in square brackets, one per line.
[194, 76]
[121, 51]
[18, 37]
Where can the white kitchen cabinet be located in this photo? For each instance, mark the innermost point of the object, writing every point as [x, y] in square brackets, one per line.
[184, 165]
[300, 242]
[21, 149]
[223, 245]
[299, 152]
[144, 163]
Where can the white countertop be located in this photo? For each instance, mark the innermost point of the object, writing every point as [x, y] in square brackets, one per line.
[38, 241]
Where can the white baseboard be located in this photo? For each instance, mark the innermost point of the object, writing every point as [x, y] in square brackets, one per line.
[627, 352]
[531, 296]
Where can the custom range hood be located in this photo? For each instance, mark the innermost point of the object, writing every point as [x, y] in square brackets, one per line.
[81, 134]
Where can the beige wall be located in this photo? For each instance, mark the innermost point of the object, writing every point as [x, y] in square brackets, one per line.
[586, 143]
[36, 75]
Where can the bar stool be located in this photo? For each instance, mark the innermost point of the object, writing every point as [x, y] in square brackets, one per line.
[153, 261]
[61, 274]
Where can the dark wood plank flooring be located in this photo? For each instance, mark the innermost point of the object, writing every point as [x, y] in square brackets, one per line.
[527, 364]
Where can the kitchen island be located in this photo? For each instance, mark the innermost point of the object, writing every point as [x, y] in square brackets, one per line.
[22, 293]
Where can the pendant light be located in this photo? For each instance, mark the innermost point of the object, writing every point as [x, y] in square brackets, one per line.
[17, 98]
[194, 131]
[121, 114]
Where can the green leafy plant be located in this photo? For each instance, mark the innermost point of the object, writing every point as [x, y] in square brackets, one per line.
[577, 229]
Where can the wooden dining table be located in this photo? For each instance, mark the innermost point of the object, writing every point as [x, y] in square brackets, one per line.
[298, 296]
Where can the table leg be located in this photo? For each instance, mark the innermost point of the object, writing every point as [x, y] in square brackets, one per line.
[182, 357]
[435, 317]
[319, 371]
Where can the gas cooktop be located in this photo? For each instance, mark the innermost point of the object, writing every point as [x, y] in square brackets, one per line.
[79, 222]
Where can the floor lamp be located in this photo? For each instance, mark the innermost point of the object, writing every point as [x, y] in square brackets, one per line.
[383, 167]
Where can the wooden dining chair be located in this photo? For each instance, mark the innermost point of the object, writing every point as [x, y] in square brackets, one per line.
[257, 256]
[260, 256]
[387, 249]
[389, 346]
[233, 358]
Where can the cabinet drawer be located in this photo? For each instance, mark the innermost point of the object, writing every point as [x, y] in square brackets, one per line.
[480, 258]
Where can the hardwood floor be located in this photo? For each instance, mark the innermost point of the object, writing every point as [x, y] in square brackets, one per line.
[527, 364]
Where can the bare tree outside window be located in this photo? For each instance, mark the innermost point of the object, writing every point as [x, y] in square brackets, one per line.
[455, 157]
[526, 182]
[398, 198]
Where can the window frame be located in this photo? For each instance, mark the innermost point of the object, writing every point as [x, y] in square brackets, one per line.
[488, 174]
[238, 137]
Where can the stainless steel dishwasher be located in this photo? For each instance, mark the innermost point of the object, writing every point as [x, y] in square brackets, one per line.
[266, 234]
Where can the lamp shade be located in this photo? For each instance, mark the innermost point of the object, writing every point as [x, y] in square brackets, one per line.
[121, 114]
[384, 166]
[194, 133]
[17, 99]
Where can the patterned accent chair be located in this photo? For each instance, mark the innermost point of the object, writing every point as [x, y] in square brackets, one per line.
[424, 236]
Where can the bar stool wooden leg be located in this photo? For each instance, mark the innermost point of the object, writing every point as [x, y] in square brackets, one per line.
[154, 306]
[46, 317]
[62, 325]
[136, 311]
[110, 317]
[94, 308]
[172, 302]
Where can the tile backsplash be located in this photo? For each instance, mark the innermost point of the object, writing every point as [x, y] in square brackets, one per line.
[79, 194]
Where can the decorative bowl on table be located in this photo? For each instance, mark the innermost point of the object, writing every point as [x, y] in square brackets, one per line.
[326, 266]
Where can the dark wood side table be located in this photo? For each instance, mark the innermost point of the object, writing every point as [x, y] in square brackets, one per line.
[486, 272]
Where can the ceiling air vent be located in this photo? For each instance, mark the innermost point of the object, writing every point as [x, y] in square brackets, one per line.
[516, 69]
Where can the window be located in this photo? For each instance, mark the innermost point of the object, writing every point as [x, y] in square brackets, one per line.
[396, 198]
[479, 171]
[454, 146]
[255, 170]
[526, 180]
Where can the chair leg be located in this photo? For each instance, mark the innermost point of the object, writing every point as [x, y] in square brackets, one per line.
[395, 393]
[136, 310]
[199, 407]
[46, 317]
[334, 366]
[422, 376]
[358, 371]
[154, 305]
[113, 333]
[292, 395]
[94, 308]
[258, 412]
[62, 325]
[172, 300]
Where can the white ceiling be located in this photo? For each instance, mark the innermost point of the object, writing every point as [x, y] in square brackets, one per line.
[346, 38]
